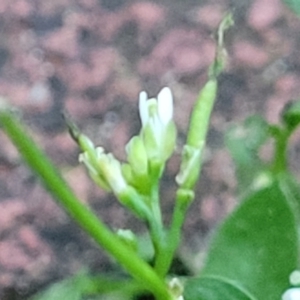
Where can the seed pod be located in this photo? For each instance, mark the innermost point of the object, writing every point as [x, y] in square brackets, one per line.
[201, 114]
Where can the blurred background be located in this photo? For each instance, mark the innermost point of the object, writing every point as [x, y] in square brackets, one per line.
[92, 58]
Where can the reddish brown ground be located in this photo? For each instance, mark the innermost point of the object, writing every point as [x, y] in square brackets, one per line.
[92, 58]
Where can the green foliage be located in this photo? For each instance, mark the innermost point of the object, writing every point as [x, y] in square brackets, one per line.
[291, 113]
[293, 5]
[257, 246]
[210, 288]
[244, 142]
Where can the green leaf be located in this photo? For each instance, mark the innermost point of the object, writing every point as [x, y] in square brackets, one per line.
[213, 289]
[291, 189]
[243, 142]
[294, 5]
[257, 246]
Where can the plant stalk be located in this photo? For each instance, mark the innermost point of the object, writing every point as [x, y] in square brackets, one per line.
[55, 184]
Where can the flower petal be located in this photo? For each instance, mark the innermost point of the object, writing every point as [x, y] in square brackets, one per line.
[143, 107]
[165, 105]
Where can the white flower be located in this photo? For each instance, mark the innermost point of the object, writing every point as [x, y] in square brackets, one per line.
[291, 294]
[158, 129]
[161, 108]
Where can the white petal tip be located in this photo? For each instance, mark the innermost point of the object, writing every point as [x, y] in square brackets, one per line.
[143, 96]
[143, 109]
[165, 104]
[165, 93]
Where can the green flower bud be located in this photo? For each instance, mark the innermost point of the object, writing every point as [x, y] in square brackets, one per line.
[111, 170]
[104, 169]
[142, 182]
[137, 156]
[150, 141]
[127, 173]
[93, 172]
[170, 140]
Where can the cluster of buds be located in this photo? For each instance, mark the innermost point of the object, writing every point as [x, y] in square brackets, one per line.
[147, 153]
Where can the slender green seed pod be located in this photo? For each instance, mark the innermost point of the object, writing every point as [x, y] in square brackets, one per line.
[201, 114]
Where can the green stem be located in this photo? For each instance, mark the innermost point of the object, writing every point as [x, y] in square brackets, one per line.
[52, 180]
[156, 227]
[280, 163]
[155, 204]
[281, 136]
[164, 260]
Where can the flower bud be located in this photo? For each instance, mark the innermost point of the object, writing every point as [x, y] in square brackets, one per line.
[111, 170]
[158, 129]
[142, 182]
[104, 169]
[127, 172]
[137, 156]
[93, 172]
